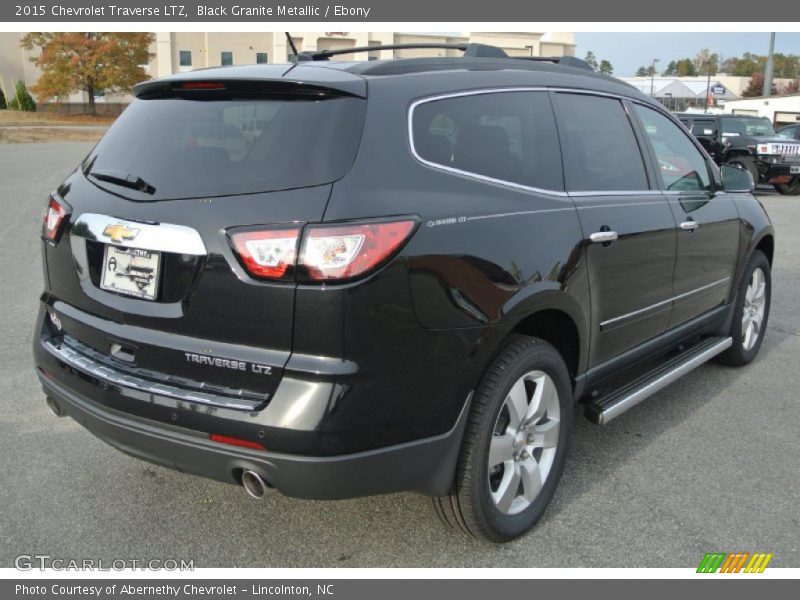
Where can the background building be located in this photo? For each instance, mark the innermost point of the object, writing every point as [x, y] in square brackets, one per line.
[681, 93]
[184, 51]
[781, 110]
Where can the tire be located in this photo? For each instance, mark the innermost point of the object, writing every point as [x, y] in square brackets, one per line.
[789, 189]
[745, 347]
[484, 502]
[746, 165]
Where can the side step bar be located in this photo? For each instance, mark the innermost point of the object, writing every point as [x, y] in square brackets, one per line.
[607, 408]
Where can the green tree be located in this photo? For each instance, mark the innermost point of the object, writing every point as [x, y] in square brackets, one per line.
[685, 68]
[3, 104]
[672, 69]
[641, 71]
[21, 100]
[606, 67]
[89, 62]
[591, 59]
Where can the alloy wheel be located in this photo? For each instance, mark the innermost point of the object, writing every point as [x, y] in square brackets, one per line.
[755, 302]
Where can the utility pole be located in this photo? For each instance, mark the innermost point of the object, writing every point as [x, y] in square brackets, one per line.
[653, 76]
[768, 69]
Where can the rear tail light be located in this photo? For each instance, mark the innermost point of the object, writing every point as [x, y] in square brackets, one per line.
[348, 251]
[233, 441]
[54, 216]
[269, 253]
[327, 252]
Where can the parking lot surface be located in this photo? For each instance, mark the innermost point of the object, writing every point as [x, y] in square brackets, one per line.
[709, 464]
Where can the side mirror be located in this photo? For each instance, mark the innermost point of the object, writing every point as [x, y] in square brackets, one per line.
[737, 180]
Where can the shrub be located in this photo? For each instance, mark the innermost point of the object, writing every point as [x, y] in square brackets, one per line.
[22, 99]
[2, 100]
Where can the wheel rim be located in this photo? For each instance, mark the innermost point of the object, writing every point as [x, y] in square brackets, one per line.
[755, 303]
[524, 442]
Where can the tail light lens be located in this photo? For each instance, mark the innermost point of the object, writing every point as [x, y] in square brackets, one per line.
[268, 253]
[347, 251]
[54, 216]
[327, 253]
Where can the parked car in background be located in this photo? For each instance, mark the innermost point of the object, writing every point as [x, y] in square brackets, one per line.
[791, 132]
[749, 143]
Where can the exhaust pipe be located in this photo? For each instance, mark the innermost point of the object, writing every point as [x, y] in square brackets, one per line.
[54, 407]
[254, 484]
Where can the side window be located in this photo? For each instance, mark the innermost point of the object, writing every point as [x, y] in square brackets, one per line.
[506, 136]
[601, 147]
[704, 128]
[681, 165]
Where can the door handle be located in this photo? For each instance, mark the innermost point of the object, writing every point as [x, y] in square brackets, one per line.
[603, 237]
[689, 225]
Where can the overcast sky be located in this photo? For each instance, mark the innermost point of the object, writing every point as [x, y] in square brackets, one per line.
[628, 51]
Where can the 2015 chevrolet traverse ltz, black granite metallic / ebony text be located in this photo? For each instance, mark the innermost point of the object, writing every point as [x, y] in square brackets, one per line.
[335, 279]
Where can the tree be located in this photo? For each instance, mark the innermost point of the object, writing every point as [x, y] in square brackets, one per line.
[3, 104]
[88, 62]
[672, 69]
[793, 87]
[606, 67]
[21, 100]
[756, 86]
[685, 68]
[591, 59]
[641, 71]
[705, 62]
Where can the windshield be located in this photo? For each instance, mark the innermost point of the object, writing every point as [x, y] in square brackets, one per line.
[755, 126]
[179, 148]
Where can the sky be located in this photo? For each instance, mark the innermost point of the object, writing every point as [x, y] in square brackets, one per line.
[628, 51]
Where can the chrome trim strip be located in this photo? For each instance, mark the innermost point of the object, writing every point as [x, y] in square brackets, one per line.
[106, 374]
[663, 302]
[663, 381]
[158, 237]
[511, 184]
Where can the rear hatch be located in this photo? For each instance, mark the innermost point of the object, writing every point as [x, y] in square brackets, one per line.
[144, 276]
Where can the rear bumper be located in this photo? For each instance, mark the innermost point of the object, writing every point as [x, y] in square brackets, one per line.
[780, 170]
[426, 466]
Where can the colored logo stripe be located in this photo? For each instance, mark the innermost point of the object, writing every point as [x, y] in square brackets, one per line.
[734, 562]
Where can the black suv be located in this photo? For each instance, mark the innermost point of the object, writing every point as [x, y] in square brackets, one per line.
[335, 279]
[749, 143]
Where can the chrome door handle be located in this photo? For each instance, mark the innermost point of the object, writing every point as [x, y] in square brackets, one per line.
[603, 237]
[689, 225]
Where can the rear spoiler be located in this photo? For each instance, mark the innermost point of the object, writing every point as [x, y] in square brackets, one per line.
[214, 88]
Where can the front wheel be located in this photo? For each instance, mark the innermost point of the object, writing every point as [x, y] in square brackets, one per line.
[789, 189]
[514, 446]
[751, 311]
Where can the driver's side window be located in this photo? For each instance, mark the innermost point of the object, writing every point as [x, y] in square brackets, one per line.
[681, 165]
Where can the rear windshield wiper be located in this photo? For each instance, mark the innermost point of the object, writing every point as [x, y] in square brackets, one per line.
[123, 179]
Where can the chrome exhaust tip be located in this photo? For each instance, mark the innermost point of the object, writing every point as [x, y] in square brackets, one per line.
[254, 484]
[54, 407]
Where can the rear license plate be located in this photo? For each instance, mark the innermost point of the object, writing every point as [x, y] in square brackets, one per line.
[131, 271]
[794, 170]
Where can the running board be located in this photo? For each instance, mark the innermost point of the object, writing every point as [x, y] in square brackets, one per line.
[607, 408]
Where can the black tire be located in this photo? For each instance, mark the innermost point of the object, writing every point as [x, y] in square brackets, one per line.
[746, 165]
[789, 189]
[738, 355]
[470, 507]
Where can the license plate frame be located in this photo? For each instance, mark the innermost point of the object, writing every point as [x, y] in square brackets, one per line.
[794, 170]
[131, 272]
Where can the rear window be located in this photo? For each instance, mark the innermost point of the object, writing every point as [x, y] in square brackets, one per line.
[186, 148]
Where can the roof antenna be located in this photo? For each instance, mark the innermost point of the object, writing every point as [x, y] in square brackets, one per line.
[292, 46]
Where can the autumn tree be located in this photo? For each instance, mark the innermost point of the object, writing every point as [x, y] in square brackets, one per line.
[88, 62]
[756, 86]
[793, 87]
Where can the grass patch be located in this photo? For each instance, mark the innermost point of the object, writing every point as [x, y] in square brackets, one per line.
[23, 135]
[16, 117]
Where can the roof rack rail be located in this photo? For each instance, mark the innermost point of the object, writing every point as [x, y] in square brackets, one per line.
[564, 61]
[471, 50]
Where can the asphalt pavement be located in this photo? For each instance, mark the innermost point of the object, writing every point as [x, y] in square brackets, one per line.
[709, 464]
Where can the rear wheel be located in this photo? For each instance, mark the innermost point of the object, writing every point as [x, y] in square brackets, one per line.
[515, 444]
[751, 311]
[789, 189]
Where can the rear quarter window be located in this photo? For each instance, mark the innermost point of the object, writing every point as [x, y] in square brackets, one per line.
[503, 136]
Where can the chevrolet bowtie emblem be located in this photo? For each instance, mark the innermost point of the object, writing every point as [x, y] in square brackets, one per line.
[120, 232]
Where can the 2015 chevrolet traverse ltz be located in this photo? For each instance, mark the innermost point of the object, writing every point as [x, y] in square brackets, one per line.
[335, 279]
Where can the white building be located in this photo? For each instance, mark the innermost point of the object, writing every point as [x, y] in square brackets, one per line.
[682, 93]
[781, 110]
